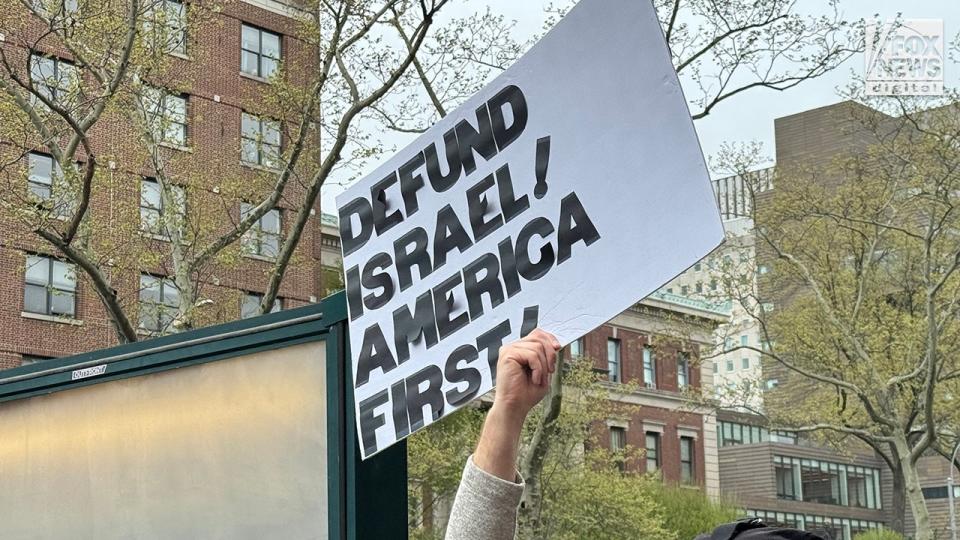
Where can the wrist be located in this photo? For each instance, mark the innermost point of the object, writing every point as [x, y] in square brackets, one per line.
[499, 442]
[507, 418]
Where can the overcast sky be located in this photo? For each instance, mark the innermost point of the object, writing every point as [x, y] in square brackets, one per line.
[748, 117]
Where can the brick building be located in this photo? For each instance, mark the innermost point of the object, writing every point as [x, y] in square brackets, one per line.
[48, 308]
[651, 356]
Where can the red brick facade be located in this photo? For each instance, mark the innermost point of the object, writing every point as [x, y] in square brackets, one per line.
[670, 422]
[209, 168]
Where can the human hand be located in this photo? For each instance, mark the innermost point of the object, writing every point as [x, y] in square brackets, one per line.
[524, 371]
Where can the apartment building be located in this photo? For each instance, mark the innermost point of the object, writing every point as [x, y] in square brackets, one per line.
[219, 122]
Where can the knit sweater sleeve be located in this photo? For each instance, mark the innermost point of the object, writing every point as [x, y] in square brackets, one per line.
[485, 507]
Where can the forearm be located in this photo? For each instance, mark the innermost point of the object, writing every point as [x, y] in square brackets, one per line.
[500, 442]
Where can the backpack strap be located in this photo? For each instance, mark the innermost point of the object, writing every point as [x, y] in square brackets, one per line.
[729, 531]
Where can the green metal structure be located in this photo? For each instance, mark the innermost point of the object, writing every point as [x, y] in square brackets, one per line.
[366, 500]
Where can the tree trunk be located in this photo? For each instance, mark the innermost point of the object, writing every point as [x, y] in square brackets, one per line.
[913, 491]
[898, 512]
[531, 464]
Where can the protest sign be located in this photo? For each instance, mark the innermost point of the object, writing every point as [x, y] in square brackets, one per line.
[568, 189]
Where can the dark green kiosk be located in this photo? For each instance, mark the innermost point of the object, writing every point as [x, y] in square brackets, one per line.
[243, 430]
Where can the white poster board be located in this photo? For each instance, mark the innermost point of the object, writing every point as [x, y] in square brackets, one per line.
[564, 192]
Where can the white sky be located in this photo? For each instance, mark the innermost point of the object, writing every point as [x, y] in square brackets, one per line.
[749, 116]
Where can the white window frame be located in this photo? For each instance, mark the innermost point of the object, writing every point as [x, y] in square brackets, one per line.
[260, 54]
[51, 289]
[259, 145]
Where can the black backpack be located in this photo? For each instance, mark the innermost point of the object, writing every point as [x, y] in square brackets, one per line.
[755, 529]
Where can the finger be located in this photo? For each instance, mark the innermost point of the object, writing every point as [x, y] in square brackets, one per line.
[546, 341]
[536, 348]
[529, 359]
[551, 340]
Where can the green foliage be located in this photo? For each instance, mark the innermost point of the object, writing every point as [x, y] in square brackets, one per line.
[879, 534]
[599, 502]
[435, 463]
[689, 512]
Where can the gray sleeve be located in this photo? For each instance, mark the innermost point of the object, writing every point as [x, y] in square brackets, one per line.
[485, 507]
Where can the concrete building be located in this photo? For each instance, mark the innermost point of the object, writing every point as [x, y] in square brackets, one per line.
[224, 72]
[737, 373]
[785, 480]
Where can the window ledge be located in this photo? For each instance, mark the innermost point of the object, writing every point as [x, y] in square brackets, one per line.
[51, 318]
[254, 78]
[263, 258]
[174, 146]
[258, 167]
[180, 55]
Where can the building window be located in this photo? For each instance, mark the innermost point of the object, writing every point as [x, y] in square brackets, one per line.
[684, 290]
[259, 141]
[734, 433]
[263, 238]
[744, 340]
[763, 269]
[166, 115]
[716, 368]
[697, 267]
[28, 359]
[825, 482]
[772, 384]
[613, 359]
[55, 79]
[260, 52]
[786, 481]
[649, 367]
[745, 363]
[713, 285]
[47, 185]
[155, 214]
[250, 305]
[165, 26]
[939, 492]
[729, 365]
[669, 290]
[618, 442]
[576, 348]
[50, 287]
[683, 369]
[653, 451]
[686, 460]
[699, 287]
[159, 303]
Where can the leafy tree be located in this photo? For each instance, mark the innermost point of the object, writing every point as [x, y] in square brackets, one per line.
[879, 534]
[689, 513]
[860, 305]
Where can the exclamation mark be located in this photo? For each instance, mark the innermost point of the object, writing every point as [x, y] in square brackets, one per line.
[543, 160]
[531, 317]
